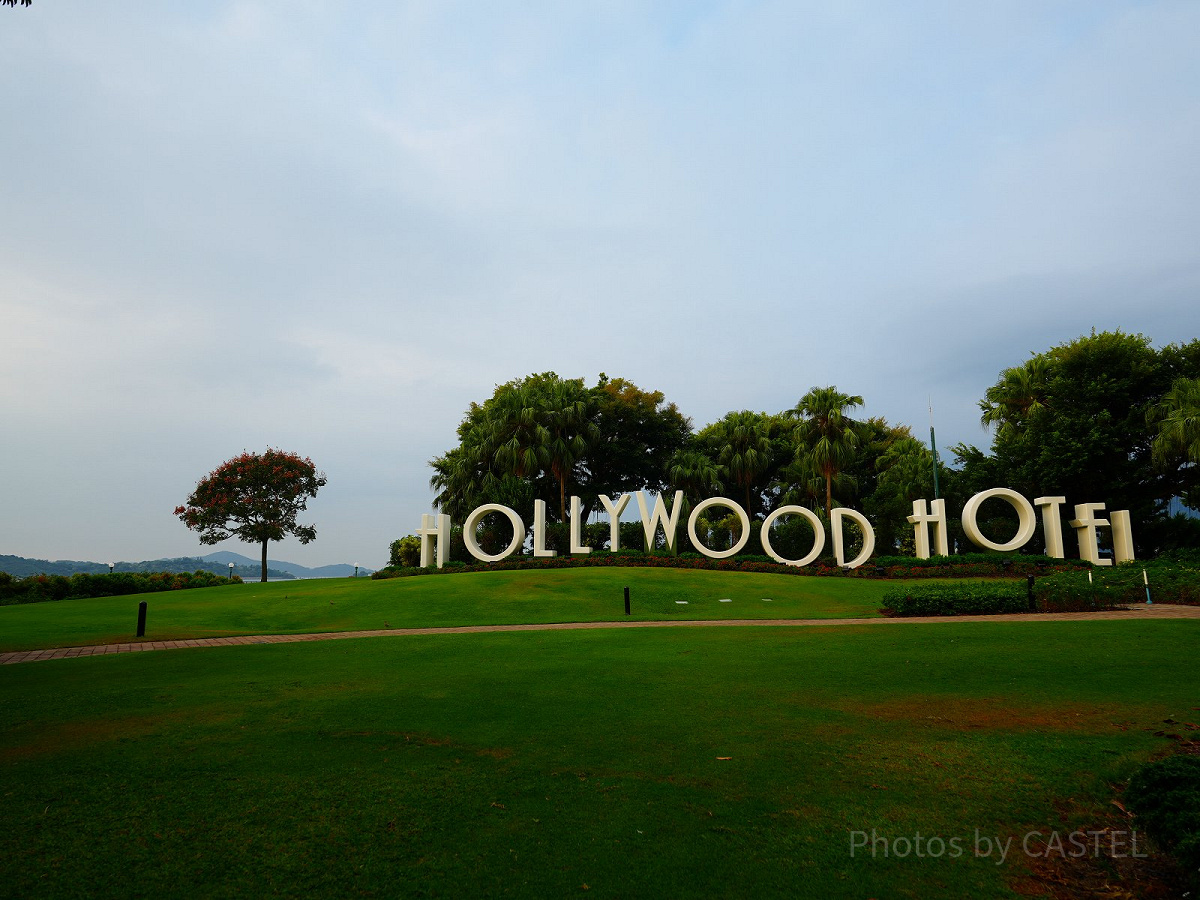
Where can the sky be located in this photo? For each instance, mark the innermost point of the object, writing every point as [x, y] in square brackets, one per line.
[329, 227]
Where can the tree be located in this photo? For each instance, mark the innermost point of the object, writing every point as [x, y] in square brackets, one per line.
[1019, 395]
[255, 497]
[904, 474]
[543, 437]
[536, 426]
[637, 435]
[828, 436]
[694, 473]
[1176, 420]
[14, 2]
[405, 552]
[741, 445]
[1073, 421]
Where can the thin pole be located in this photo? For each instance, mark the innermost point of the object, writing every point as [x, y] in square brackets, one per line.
[933, 447]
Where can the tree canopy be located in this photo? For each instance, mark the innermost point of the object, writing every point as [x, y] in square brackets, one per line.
[255, 497]
[1073, 421]
[1104, 418]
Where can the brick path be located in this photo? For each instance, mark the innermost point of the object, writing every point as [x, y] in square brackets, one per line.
[1155, 611]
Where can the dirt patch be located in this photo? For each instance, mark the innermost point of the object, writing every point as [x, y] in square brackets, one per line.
[1101, 863]
[72, 735]
[993, 713]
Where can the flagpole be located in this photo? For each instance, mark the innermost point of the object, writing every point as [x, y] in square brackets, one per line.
[933, 447]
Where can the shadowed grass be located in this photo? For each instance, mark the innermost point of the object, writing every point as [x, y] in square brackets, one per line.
[533, 764]
[486, 598]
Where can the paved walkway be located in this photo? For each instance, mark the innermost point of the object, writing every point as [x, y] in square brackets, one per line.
[1155, 611]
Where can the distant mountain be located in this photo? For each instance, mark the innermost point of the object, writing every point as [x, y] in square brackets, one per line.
[340, 570]
[218, 563]
[21, 567]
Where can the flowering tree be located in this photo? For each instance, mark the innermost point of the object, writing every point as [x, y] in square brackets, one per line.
[255, 497]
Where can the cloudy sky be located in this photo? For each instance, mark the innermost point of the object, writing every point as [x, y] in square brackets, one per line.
[328, 227]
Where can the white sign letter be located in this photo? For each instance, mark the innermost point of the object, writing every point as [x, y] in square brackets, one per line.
[539, 529]
[434, 527]
[921, 521]
[650, 522]
[1025, 518]
[577, 545]
[1122, 536]
[476, 517]
[737, 510]
[1085, 523]
[817, 527]
[868, 536]
[1052, 524]
[614, 511]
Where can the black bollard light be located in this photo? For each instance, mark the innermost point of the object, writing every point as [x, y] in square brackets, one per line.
[142, 619]
[626, 601]
[1029, 590]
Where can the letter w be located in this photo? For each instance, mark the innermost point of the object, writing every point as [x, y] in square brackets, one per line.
[651, 521]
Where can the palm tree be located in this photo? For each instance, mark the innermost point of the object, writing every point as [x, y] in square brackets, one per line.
[827, 436]
[568, 431]
[540, 424]
[1177, 417]
[1019, 395]
[743, 443]
[694, 473]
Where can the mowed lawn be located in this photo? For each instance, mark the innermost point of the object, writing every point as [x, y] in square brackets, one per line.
[484, 598]
[691, 762]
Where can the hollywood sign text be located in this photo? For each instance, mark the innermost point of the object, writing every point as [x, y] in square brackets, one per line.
[928, 520]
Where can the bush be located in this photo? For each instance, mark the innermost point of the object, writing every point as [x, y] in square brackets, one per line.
[1165, 798]
[1170, 582]
[41, 588]
[405, 552]
[968, 599]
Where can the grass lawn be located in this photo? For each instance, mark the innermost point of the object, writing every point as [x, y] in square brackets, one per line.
[574, 762]
[484, 598]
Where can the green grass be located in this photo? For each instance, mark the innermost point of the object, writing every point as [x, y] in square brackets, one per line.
[487, 598]
[532, 764]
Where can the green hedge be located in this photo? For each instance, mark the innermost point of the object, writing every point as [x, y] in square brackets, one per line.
[40, 588]
[1165, 799]
[963, 599]
[1110, 587]
[1170, 582]
[970, 565]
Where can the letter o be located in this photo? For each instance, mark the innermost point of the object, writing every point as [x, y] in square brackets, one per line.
[1024, 515]
[729, 504]
[818, 535]
[473, 521]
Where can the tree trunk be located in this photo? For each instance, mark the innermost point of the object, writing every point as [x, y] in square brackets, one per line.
[264, 561]
[562, 498]
[829, 496]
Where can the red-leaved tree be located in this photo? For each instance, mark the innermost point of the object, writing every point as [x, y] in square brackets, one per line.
[255, 497]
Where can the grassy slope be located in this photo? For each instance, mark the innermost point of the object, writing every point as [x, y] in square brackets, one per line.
[532, 764]
[567, 595]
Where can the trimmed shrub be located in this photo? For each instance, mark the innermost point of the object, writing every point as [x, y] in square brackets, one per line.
[1165, 799]
[405, 552]
[967, 599]
[1170, 582]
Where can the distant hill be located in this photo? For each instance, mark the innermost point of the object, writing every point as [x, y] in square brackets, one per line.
[340, 570]
[20, 567]
[218, 563]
